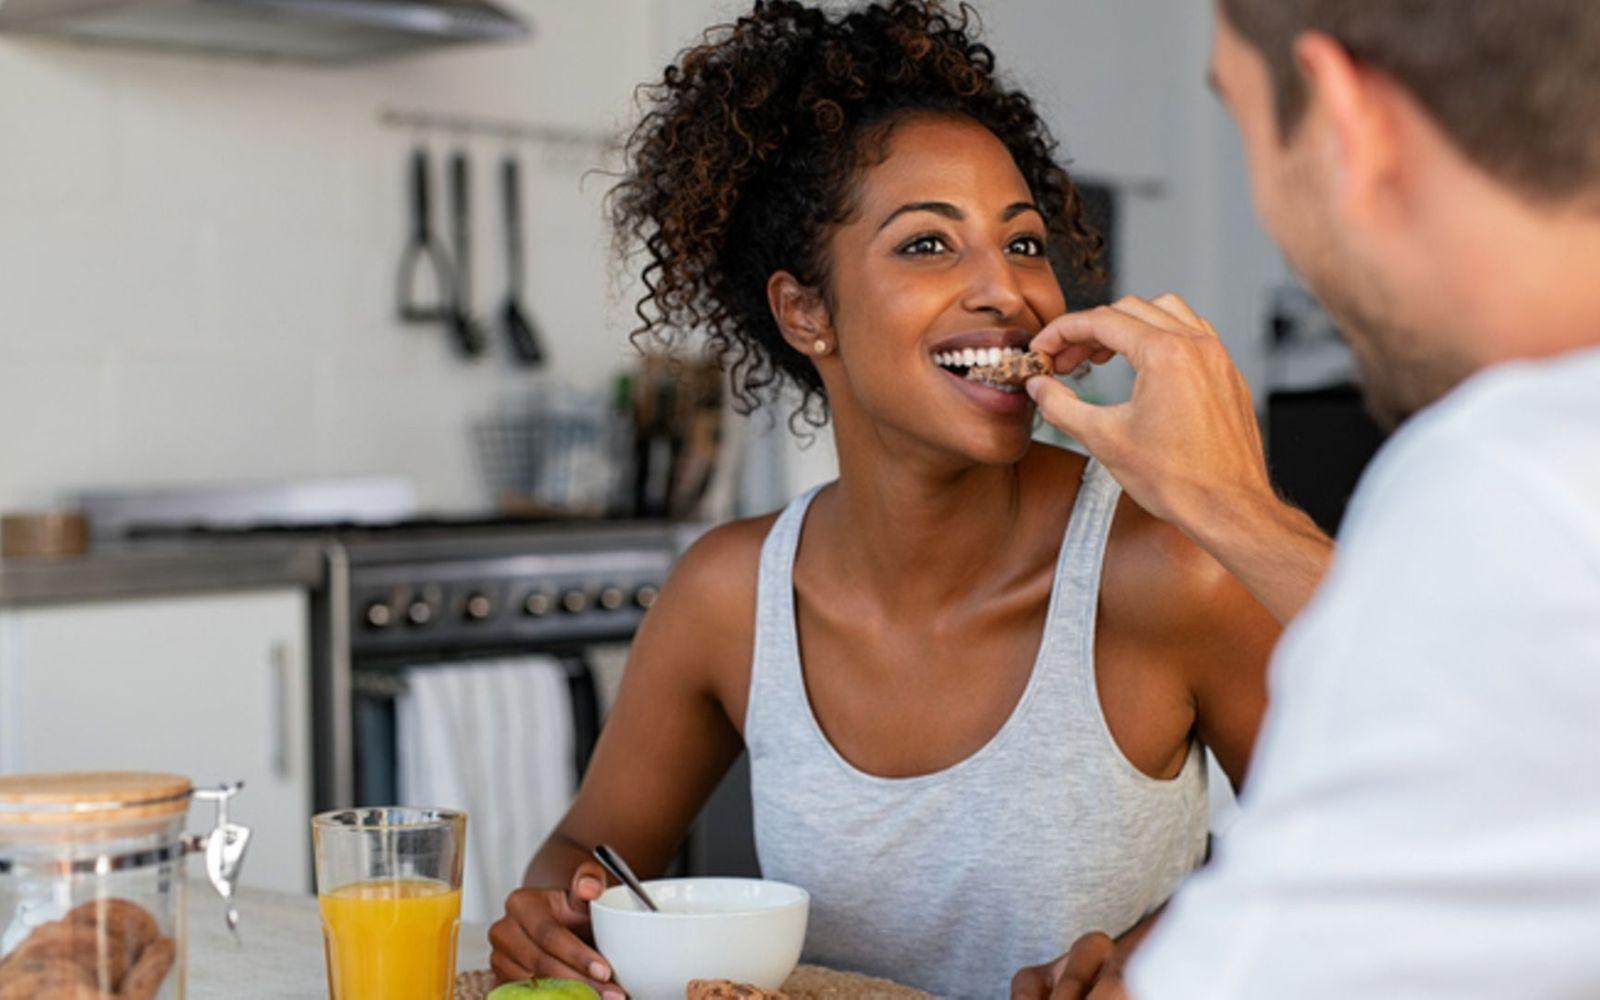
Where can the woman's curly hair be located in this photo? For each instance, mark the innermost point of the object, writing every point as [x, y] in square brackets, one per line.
[745, 157]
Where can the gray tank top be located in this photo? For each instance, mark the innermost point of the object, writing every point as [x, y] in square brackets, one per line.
[953, 881]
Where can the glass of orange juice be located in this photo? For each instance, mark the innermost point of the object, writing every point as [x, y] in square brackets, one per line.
[389, 887]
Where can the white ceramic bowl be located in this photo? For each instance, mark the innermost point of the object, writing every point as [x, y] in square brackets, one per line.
[744, 929]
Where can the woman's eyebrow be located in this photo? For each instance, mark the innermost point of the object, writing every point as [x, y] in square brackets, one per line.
[955, 214]
[943, 208]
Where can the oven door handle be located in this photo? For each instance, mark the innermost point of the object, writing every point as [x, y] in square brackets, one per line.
[278, 712]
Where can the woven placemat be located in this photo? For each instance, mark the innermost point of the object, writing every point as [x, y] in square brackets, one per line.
[809, 982]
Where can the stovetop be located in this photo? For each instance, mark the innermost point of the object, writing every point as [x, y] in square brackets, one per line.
[437, 525]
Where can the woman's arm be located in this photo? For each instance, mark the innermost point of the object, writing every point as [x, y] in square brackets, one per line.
[668, 741]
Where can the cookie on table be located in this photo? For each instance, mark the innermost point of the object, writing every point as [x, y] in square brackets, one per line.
[813, 982]
[727, 989]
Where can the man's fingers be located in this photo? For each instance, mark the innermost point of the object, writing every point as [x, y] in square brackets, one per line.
[1101, 329]
[1073, 358]
[1151, 313]
[1063, 410]
[1175, 306]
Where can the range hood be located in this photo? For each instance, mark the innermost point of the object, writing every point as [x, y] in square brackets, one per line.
[321, 31]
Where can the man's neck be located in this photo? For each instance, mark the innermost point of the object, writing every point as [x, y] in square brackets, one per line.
[1529, 284]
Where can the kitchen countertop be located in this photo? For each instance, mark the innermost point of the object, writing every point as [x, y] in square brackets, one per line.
[149, 570]
[279, 956]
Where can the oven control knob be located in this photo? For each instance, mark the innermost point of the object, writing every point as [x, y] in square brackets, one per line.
[478, 607]
[379, 615]
[612, 598]
[538, 604]
[646, 596]
[575, 601]
[420, 613]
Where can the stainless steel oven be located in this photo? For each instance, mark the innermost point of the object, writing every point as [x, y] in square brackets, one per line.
[401, 592]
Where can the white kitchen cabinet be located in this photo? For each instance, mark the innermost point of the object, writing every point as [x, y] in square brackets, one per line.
[215, 687]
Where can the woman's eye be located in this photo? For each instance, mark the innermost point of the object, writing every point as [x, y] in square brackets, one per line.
[1027, 246]
[923, 245]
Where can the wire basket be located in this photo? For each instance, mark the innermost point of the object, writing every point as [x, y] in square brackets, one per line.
[563, 454]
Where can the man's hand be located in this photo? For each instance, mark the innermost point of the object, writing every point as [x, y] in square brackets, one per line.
[1187, 443]
[545, 934]
[1090, 970]
[1186, 446]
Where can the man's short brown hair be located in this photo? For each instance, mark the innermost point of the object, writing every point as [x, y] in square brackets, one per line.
[1516, 85]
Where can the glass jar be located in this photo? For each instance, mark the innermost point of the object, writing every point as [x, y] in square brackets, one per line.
[92, 882]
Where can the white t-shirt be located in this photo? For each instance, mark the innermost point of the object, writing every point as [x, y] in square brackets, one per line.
[1422, 818]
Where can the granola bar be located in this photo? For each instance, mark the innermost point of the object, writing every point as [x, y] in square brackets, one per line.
[1014, 369]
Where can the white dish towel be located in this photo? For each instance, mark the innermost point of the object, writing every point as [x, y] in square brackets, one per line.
[494, 738]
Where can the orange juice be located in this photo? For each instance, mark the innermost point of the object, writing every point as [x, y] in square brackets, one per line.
[392, 939]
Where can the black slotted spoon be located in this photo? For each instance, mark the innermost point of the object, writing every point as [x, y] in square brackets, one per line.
[469, 336]
[526, 344]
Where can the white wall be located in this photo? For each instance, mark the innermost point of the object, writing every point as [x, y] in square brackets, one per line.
[198, 257]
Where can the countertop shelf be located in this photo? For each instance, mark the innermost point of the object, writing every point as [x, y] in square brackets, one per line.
[154, 570]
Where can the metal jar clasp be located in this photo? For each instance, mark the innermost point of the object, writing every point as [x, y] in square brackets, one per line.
[224, 847]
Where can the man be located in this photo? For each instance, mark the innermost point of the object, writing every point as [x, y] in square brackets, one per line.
[1423, 813]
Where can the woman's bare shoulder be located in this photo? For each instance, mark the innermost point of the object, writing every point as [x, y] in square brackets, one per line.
[1159, 583]
[722, 565]
[1157, 567]
[702, 627]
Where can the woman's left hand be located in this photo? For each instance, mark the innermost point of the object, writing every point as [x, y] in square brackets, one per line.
[1090, 970]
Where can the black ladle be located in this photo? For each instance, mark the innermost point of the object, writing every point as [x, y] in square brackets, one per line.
[423, 253]
[520, 329]
[469, 336]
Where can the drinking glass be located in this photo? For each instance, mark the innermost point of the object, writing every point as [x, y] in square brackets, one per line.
[389, 887]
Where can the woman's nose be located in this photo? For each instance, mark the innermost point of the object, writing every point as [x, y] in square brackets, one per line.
[993, 286]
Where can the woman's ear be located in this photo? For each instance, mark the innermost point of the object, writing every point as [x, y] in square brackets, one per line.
[801, 315]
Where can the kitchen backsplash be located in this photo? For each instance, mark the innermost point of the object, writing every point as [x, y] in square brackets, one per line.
[198, 256]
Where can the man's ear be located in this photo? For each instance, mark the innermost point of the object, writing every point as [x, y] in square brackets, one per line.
[1351, 107]
[801, 315]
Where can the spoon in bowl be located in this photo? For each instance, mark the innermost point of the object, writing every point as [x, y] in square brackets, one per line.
[619, 870]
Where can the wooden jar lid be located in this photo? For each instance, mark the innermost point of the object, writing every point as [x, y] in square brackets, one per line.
[78, 797]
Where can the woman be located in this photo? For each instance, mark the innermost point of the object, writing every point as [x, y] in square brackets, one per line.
[973, 682]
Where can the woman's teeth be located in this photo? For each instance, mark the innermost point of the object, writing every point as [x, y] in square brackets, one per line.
[972, 356]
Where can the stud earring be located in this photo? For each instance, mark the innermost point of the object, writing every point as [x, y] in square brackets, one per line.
[821, 346]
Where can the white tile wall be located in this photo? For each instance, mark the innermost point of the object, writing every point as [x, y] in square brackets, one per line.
[198, 256]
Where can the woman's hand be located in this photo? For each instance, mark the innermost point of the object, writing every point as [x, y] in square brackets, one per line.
[545, 933]
[1090, 970]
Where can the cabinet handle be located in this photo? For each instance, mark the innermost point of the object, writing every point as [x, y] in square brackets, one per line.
[278, 665]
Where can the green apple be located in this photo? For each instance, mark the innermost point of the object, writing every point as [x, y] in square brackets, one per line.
[544, 989]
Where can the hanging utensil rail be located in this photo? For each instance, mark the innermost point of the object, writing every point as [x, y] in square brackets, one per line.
[499, 128]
